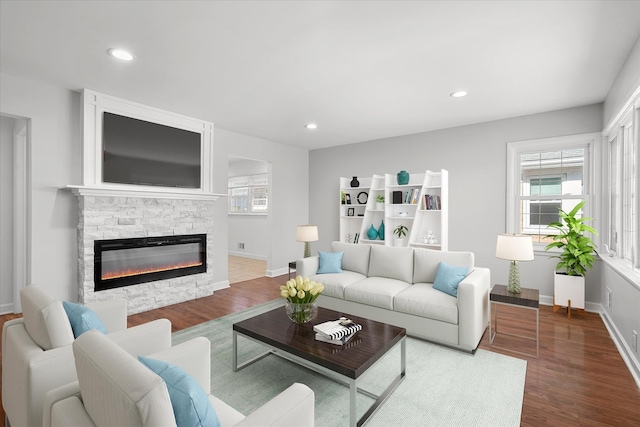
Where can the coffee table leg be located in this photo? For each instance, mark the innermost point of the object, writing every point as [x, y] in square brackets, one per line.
[353, 391]
[234, 352]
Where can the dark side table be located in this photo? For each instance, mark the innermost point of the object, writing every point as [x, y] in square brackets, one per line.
[292, 265]
[527, 298]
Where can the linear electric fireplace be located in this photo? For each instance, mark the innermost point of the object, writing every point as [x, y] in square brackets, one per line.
[124, 262]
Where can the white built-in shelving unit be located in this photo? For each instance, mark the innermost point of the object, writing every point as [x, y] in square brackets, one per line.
[421, 205]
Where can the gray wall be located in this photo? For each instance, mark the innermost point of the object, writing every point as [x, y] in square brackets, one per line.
[56, 163]
[624, 313]
[475, 157]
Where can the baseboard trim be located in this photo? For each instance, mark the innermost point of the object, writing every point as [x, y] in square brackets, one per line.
[250, 256]
[627, 355]
[277, 272]
[223, 284]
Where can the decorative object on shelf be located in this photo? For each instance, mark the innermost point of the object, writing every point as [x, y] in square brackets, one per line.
[381, 230]
[347, 198]
[576, 257]
[372, 233]
[350, 211]
[430, 238]
[300, 295]
[403, 178]
[306, 234]
[380, 202]
[342, 197]
[514, 248]
[403, 213]
[397, 197]
[400, 232]
[354, 182]
[362, 197]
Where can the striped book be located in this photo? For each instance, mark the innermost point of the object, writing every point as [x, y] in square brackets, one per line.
[334, 329]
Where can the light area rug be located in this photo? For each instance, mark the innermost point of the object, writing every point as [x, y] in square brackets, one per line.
[442, 387]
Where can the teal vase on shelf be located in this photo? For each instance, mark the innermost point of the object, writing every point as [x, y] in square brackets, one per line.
[403, 178]
[381, 231]
[372, 233]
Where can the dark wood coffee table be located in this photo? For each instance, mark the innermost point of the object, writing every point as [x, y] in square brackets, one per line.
[344, 364]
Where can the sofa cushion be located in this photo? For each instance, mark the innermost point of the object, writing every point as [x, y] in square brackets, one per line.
[375, 291]
[330, 262]
[355, 258]
[427, 261]
[116, 389]
[335, 283]
[45, 319]
[422, 300]
[191, 405]
[82, 319]
[391, 262]
[448, 278]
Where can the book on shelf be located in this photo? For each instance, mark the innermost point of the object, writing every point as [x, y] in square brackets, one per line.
[339, 341]
[336, 329]
[431, 202]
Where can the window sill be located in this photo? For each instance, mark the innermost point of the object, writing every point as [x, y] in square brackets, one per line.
[246, 214]
[630, 274]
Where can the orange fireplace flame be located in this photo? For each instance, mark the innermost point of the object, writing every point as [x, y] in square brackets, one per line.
[135, 272]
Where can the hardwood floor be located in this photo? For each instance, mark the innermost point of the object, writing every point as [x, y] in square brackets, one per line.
[579, 378]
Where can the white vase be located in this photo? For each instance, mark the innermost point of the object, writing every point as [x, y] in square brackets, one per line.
[567, 288]
[380, 206]
[399, 241]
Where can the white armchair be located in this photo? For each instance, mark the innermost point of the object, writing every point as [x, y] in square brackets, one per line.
[114, 389]
[37, 355]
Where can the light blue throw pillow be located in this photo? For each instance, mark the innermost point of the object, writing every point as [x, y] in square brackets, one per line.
[191, 405]
[448, 278]
[82, 319]
[330, 262]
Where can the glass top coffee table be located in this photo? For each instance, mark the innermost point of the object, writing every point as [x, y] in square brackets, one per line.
[298, 344]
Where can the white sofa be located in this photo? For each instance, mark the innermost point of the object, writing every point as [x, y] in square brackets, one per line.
[37, 354]
[115, 389]
[395, 285]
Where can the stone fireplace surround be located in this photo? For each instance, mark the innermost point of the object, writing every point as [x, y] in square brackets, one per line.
[117, 217]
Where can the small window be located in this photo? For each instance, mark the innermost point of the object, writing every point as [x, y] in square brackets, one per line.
[249, 194]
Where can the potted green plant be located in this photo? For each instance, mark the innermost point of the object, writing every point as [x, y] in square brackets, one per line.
[575, 258]
[380, 202]
[400, 232]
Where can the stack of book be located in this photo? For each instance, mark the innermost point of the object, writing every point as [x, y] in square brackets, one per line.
[336, 331]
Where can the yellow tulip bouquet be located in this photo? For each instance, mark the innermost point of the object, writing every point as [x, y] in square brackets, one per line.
[301, 291]
[301, 294]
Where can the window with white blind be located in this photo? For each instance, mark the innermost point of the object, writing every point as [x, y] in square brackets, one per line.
[545, 176]
[249, 194]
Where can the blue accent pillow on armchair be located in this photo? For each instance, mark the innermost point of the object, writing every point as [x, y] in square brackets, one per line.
[448, 278]
[330, 262]
[82, 319]
[191, 405]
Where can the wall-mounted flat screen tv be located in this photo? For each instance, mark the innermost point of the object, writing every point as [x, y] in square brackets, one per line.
[144, 153]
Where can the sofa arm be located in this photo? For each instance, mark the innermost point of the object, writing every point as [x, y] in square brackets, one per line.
[193, 356]
[307, 267]
[473, 308]
[291, 408]
[63, 407]
[113, 313]
[144, 339]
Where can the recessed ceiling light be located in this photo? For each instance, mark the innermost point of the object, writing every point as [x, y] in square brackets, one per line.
[311, 126]
[121, 54]
[459, 94]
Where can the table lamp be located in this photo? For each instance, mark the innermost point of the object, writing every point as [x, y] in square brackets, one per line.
[514, 248]
[306, 234]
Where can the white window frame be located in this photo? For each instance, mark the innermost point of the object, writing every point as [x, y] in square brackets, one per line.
[251, 189]
[590, 141]
[620, 132]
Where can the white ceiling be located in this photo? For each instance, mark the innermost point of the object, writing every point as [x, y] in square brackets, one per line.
[360, 70]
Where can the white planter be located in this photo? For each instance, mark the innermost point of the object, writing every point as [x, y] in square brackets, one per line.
[380, 206]
[567, 288]
[399, 241]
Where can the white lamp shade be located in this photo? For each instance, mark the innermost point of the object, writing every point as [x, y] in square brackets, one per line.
[307, 233]
[514, 247]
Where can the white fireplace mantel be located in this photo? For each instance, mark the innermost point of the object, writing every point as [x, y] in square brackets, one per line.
[142, 192]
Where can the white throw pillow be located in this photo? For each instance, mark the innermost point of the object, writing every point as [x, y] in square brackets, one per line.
[391, 262]
[45, 319]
